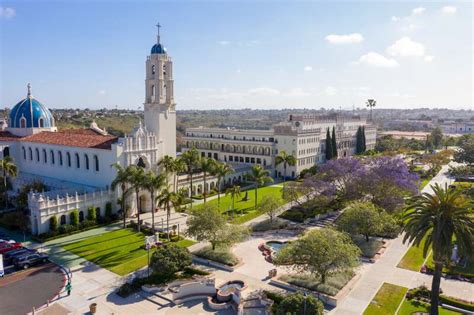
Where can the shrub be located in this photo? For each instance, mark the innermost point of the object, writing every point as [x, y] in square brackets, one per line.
[293, 215]
[220, 255]
[108, 210]
[169, 259]
[91, 215]
[74, 217]
[66, 228]
[53, 224]
[297, 303]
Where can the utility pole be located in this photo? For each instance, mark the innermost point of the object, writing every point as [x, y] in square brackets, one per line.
[371, 104]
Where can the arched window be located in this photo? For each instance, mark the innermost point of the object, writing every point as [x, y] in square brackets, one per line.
[52, 156]
[41, 122]
[60, 155]
[86, 161]
[37, 155]
[153, 69]
[68, 157]
[63, 219]
[78, 161]
[24, 152]
[81, 216]
[45, 156]
[96, 163]
[31, 154]
[141, 163]
[23, 122]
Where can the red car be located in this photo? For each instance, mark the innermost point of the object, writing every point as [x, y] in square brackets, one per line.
[8, 246]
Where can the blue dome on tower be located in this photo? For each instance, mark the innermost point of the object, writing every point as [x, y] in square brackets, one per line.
[158, 49]
[30, 113]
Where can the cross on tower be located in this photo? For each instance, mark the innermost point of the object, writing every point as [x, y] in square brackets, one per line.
[158, 26]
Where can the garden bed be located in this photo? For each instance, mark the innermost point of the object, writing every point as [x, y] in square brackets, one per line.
[369, 249]
[266, 225]
[223, 256]
[332, 286]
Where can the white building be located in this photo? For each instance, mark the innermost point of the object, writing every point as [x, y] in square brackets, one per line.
[302, 136]
[454, 127]
[76, 164]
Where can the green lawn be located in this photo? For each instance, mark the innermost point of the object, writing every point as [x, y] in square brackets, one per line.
[386, 300]
[413, 259]
[120, 251]
[245, 210]
[410, 307]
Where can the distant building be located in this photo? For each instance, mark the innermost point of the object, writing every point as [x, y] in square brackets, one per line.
[458, 127]
[302, 136]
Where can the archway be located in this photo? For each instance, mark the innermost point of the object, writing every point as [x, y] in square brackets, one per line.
[144, 205]
[141, 163]
[6, 151]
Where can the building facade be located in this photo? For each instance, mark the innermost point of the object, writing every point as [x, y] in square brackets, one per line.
[302, 136]
[75, 165]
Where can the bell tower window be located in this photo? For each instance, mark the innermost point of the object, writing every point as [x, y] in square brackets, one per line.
[153, 69]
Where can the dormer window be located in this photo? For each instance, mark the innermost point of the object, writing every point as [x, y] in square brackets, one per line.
[41, 122]
[22, 122]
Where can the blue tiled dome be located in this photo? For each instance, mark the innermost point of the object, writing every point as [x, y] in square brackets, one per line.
[32, 113]
[158, 49]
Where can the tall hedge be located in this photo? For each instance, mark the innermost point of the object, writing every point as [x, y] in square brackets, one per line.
[91, 215]
[329, 149]
[108, 209]
[74, 217]
[334, 142]
[53, 224]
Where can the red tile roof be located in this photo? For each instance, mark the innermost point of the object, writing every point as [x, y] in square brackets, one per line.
[83, 138]
[7, 136]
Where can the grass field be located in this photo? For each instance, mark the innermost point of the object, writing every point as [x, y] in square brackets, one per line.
[387, 300]
[120, 251]
[410, 307]
[245, 210]
[413, 259]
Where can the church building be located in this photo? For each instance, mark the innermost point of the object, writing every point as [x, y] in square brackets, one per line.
[76, 164]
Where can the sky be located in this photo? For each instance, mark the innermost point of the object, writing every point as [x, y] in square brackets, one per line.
[240, 54]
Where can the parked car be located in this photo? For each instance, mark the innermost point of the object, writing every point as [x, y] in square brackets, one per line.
[8, 257]
[9, 246]
[26, 261]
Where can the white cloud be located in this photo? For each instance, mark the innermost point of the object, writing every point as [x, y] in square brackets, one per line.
[449, 10]
[308, 68]
[7, 12]
[429, 58]
[102, 92]
[418, 11]
[330, 91]
[353, 38]
[377, 60]
[224, 42]
[297, 92]
[263, 91]
[406, 47]
[395, 18]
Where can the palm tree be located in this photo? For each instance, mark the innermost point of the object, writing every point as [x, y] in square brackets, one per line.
[259, 176]
[122, 179]
[153, 183]
[165, 199]
[168, 164]
[178, 167]
[439, 219]
[191, 159]
[287, 160]
[221, 171]
[137, 181]
[233, 191]
[8, 168]
[207, 166]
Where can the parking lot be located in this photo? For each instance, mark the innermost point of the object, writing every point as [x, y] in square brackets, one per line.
[25, 289]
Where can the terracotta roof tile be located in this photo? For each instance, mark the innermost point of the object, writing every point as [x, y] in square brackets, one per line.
[7, 136]
[83, 138]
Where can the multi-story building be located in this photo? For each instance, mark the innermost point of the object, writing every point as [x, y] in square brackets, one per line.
[302, 136]
[454, 127]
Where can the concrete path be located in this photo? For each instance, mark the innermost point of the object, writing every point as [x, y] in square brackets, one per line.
[385, 270]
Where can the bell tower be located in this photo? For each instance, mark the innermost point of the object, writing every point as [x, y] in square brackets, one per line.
[160, 113]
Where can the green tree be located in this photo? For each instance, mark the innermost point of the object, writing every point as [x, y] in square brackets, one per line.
[269, 206]
[437, 137]
[91, 214]
[169, 259]
[359, 140]
[191, 159]
[439, 219]
[233, 191]
[179, 166]
[8, 169]
[299, 303]
[285, 159]
[465, 154]
[259, 176]
[122, 179]
[74, 217]
[167, 199]
[334, 142]
[221, 171]
[362, 218]
[168, 163]
[53, 223]
[321, 252]
[208, 224]
[364, 145]
[329, 150]
[153, 183]
[207, 166]
[108, 210]
[137, 181]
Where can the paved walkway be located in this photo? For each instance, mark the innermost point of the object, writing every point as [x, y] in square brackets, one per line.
[385, 270]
